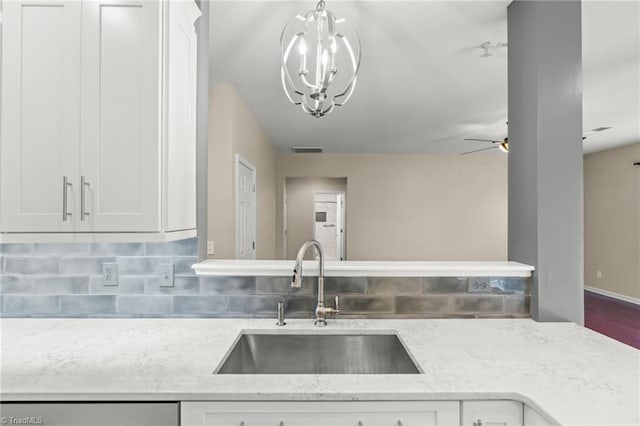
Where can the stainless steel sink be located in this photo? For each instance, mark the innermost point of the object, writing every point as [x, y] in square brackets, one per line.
[255, 353]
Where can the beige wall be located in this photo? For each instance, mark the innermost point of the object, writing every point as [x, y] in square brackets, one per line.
[300, 209]
[612, 220]
[414, 207]
[233, 130]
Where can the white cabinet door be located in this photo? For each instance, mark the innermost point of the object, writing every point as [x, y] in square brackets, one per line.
[40, 114]
[180, 115]
[379, 413]
[120, 151]
[492, 413]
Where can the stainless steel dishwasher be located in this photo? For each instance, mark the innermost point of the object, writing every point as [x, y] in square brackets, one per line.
[90, 414]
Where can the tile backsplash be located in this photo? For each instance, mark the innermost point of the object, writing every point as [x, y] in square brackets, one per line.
[66, 280]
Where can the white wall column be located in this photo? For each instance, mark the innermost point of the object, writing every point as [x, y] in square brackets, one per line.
[545, 153]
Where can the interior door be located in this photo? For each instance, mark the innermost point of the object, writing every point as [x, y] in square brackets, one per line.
[120, 115]
[245, 209]
[39, 142]
[328, 223]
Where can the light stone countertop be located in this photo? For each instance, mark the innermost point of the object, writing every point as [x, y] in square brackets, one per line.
[359, 268]
[571, 374]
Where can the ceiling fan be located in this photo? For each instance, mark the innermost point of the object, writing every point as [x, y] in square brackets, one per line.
[503, 145]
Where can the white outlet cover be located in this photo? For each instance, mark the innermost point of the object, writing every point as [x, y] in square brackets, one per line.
[479, 285]
[110, 274]
[211, 247]
[166, 272]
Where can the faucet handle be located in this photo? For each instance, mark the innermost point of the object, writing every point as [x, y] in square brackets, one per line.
[337, 304]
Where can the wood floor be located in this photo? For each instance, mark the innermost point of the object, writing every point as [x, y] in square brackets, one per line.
[612, 317]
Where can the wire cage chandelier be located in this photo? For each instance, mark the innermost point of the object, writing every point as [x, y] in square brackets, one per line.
[319, 63]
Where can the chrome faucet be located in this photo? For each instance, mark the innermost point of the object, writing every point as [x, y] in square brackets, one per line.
[296, 282]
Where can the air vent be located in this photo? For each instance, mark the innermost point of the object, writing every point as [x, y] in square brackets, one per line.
[307, 150]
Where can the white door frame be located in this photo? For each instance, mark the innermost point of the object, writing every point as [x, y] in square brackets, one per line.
[285, 222]
[240, 160]
[342, 210]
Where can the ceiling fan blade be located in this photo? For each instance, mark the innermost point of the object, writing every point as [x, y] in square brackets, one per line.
[483, 140]
[478, 150]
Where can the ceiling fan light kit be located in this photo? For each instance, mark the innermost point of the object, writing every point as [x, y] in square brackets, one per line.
[315, 48]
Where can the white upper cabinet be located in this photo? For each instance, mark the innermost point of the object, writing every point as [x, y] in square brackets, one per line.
[102, 92]
[39, 140]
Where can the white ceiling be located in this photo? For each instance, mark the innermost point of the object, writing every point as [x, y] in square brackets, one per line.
[423, 86]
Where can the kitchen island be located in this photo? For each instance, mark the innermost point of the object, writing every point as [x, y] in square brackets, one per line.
[568, 373]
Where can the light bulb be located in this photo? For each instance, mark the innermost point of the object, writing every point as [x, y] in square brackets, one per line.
[302, 47]
[325, 58]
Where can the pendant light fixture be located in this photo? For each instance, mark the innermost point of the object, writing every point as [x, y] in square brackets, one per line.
[319, 63]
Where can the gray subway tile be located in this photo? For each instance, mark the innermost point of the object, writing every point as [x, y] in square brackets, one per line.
[16, 249]
[301, 304]
[200, 304]
[88, 265]
[186, 247]
[361, 304]
[140, 265]
[254, 304]
[88, 304]
[1, 265]
[126, 285]
[282, 285]
[422, 304]
[117, 249]
[61, 284]
[343, 285]
[21, 284]
[444, 285]
[510, 285]
[144, 304]
[479, 304]
[182, 265]
[32, 265]
[181, 285]
[30, 304]
[62, 249]
[518, 305]
[227, 285]
[394, 285]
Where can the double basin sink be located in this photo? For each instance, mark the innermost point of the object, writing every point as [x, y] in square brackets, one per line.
[261, 353]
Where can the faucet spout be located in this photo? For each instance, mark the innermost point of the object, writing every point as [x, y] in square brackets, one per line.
[296, 281]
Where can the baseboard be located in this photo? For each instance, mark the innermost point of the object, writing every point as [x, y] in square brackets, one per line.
[613, 295]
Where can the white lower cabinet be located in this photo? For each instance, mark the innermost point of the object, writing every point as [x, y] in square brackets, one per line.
[492, 413]
[356, 413]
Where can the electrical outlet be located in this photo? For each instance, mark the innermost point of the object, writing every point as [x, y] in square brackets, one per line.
[211, 248]
[166, 271]
[598, 274]
[110, 274]
[479, 285]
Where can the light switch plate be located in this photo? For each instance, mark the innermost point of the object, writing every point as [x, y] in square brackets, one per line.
[479, 285]
[110, 274]
[166, 271]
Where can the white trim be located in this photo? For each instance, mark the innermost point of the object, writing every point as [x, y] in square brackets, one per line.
[613, 295]
[349, 268]
[241, 160]
[97, 237]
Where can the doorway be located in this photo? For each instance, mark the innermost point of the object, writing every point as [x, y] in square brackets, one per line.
[245, 209]
[315, 207]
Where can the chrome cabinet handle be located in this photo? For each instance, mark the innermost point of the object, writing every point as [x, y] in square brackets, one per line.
[83, 211]
[65, 185]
